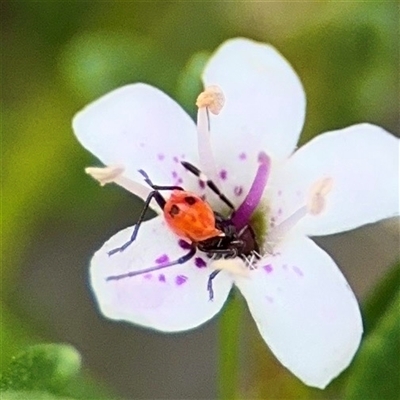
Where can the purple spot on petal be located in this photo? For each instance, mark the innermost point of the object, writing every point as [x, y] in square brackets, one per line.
[174, 174]
[147, 276]
[268, 268]
[202, 185]
[179, 181]
[141, 144]
[203, 197]
[184, 245]
[242, 156]
[279, 192]
[297, 270]
[238, 191]
[162, 259]
[200, 263]
[180, 279]
[223, 174]
[284, 266]
[280, 211]
[161, 278]
[160, 156]
[269, 299]
[176, 159]
[273, 219]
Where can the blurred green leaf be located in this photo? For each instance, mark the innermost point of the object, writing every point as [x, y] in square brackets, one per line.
[39, 147]
[97, 62]
[348, 66]
[375, 373]
[43, 367]
[189, 82]
[229, 346]
[382, 297]
[14, 335]
[30, 395]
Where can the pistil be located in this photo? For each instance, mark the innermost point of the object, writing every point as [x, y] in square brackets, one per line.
[242, 215]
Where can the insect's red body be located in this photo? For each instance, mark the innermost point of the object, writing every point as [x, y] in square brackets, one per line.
[190, 217]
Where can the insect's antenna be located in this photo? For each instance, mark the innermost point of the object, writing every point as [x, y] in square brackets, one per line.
[146, 178]
[157, 187]
[195, 171]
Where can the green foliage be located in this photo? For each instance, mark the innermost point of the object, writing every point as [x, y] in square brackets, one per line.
[189, 83]
[381, 299]
[95, 63]
[43, 367]
[46, 372]
[31, 395]
[375, 373]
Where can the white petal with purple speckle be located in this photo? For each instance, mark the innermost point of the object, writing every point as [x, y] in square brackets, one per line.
[304, 310]
[171, 299]
[139, 127]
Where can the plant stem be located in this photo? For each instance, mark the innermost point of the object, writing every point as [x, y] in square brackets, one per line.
[229, 341]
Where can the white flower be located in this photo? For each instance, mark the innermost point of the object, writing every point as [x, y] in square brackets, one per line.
[302, 304]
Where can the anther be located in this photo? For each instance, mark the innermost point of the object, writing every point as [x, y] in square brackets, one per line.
[212, 98]
[105, 175]
[317, 198]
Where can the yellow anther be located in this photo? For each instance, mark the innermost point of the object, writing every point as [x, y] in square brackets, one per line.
[212, 98]
[317, 198]
[105, 174]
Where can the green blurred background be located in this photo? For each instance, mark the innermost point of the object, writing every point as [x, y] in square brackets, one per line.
[56, 57]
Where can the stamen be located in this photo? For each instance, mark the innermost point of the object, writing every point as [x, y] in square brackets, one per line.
[280, 230]
[318, 192]
[212, 98]
[236, 266]
[113, 174]
[316, 203]
[242, 215]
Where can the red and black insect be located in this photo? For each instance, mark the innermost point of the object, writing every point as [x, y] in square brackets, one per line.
[193, 219]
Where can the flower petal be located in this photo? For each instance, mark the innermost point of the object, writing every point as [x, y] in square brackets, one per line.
[139, 127]
[304, 310]
[265, 100]
[170, 299]
[362, 162]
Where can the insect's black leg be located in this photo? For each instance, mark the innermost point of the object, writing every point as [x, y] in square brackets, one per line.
[191, 168]
[180, 260]
[161, 202]
[228, 253]
[157, 187]
[209, 283]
